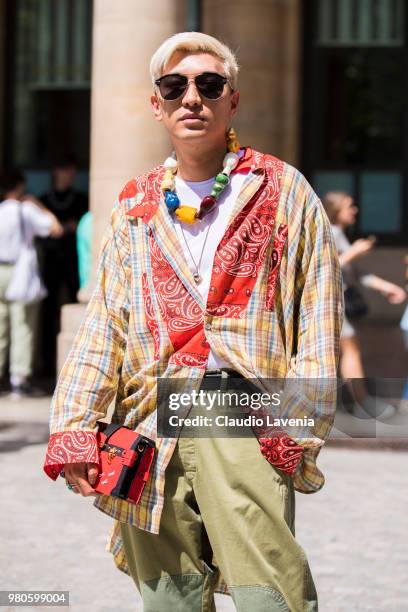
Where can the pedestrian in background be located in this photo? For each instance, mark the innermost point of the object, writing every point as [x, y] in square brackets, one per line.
[404, 328]
[342, 210]
[59, 260]
[84, 250]
[22, 217]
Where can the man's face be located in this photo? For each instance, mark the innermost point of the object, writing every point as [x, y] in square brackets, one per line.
[64, 177]
[193, 117]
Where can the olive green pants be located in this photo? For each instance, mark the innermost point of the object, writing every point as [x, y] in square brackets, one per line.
[228, 511]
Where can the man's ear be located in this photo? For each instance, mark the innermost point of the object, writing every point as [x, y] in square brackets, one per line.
[234, 103]
[157, 111]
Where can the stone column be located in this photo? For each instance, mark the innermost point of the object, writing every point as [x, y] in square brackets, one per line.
[266, 37]
[125, 138]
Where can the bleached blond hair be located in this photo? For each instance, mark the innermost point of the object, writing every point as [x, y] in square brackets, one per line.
[194, 42]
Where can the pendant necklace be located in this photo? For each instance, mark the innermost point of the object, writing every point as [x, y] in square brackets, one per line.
[189, 214]
[196, 275]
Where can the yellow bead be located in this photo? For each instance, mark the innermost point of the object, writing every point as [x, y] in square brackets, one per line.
[231, 134]
[232, 141]
[168, 175]
[186, 214]
[167, 185]
[233, 146]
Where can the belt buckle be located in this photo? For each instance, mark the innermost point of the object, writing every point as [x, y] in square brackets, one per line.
[221, 375]
[213, 373]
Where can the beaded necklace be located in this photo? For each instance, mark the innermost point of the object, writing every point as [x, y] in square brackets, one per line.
[189, 214]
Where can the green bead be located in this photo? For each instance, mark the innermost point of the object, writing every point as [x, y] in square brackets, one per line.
[222, 178]
[218, 187]
[215, 194]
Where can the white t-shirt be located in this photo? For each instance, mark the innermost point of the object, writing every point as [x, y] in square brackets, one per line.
[215, 223]
[36, 223]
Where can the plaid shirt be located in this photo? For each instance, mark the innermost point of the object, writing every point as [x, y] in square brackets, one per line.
[274, 310]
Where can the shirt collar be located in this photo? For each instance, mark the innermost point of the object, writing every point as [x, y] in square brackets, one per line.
[250, 161]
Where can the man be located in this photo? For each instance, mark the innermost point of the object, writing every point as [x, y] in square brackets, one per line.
[59, 255]
[22, 219]
[202, 276]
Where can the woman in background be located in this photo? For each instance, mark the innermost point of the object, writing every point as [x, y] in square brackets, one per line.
[342, 212]
[17, 319]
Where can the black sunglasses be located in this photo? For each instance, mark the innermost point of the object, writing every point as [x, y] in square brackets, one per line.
[209, 84]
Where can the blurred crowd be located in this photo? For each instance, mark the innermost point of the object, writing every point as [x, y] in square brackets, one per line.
[41, 242]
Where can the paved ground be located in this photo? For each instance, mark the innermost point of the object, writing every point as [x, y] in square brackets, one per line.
[355, 531]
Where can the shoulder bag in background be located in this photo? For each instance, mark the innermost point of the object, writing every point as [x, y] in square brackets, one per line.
[354, 303]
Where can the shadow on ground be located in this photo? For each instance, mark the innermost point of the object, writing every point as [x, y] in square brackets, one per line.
[15, 436]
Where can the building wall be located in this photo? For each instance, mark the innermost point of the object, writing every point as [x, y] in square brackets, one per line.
[266, 37]
[3, 42]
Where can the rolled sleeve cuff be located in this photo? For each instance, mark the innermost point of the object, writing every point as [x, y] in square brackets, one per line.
[70, 447]
[281, 451]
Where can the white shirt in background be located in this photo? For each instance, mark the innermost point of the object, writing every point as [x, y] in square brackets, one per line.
[36, 223]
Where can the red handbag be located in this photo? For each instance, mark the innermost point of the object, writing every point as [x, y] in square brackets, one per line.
[125, 459]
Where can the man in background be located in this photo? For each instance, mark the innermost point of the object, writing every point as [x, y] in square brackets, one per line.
[59, 260]
[22, 218]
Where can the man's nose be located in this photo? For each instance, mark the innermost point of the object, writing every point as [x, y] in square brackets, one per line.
[192, 95]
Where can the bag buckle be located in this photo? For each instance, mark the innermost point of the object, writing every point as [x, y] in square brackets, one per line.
[112, 452]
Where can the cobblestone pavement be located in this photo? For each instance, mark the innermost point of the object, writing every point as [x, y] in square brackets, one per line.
[354, 531]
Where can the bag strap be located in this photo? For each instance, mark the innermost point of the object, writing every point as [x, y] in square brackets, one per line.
[110, 429]
[22, 227]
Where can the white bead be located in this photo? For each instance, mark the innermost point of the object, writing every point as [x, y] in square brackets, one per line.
[229, 163]
[229, 157]
[170, 163]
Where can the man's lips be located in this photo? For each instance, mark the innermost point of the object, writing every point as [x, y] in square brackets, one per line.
[191, 117]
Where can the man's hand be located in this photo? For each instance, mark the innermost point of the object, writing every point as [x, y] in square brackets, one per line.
[56, 230]
[28, 197]
[82, 476]
[70, 226]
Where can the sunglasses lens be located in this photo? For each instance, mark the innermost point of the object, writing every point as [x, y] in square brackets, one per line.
[173, 86]
[210, 85]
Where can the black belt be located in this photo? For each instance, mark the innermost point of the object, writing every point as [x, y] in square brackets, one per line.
[222, 379]
[218, 374]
